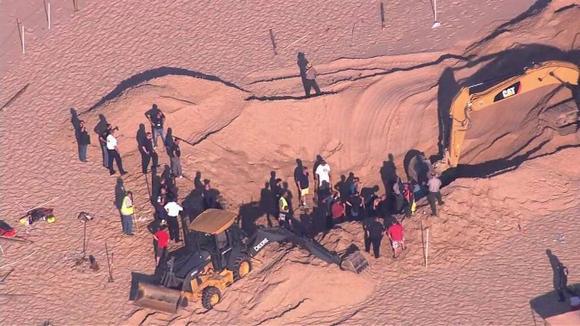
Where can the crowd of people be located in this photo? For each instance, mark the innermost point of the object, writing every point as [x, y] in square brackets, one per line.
[348, 200]
[332, 203]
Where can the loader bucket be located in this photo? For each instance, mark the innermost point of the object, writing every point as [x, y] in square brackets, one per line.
[157, 297]
[353, 261]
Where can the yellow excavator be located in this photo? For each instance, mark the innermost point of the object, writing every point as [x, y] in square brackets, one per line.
[503, 118]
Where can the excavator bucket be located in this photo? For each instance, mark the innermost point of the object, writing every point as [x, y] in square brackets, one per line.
[157, 297]
[353, 261]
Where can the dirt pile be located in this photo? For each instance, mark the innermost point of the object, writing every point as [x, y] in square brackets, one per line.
[376, 106]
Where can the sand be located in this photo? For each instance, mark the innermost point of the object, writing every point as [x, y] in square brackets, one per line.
[241, 107]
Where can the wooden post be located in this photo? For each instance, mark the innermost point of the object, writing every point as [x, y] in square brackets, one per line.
[427, 250]
[47, 12]
[49, 18]
[382, 9]
[76, 5]
[435, 21]
[273, 42]
[84, 239]
[109, 263]
[21, 34]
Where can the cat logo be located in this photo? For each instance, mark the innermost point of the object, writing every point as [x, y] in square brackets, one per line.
[507, 92]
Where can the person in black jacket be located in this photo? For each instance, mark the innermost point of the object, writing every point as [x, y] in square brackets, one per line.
[374, 230]
[157, 119]
[148, 152]
[83, 140]
[174, 156]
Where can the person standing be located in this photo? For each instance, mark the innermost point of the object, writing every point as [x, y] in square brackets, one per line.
[284, 209]
[149, 153]
[409, 198]
[173, 210]
[395, 233]
[157, 119]
[323, 174]
[373, 235]
[113, 151]
[297, 175]
[310, 80]
[162, 238]
[175, 158]
[83, 140]
[356, 206]
[103, 142]
[303, 186]
[561, 281]
[434, 195]
[127, 212]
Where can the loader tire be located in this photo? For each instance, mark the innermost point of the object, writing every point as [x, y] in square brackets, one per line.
[242, 267]
[210, 297]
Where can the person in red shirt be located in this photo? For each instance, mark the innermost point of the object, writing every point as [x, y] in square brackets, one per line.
[338, 211]
[397, 237]
[162, 238]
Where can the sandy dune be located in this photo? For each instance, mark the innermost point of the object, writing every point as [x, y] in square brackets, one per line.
[240, 106]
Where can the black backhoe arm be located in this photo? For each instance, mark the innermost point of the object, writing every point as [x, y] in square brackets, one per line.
[264, 236]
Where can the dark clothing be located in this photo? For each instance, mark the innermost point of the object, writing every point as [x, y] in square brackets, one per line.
[433, 197]
[173, 226]
[373, 236]
[175, 151]
[145, 159]
[375, 229]
[105, 151]
[561, 281]
[355, 207]
[157, 121]
[83, 140]
[152, 115]
[83, 152]
[83, 137]
[376, 244]
[309, 84]
[147, 153]
[301, 178]
[210, 199]
[114, 156]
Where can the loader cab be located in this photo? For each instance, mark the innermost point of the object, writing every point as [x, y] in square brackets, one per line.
[214, 231]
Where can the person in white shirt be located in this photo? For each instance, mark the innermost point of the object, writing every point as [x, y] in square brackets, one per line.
[173, 209]
[434, 195]
[323, 174]
[113, 152]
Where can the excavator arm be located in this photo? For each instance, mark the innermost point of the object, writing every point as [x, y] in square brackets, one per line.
[351, 260]
[550, 73]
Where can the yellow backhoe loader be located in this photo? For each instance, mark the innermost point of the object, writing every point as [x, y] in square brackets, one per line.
[502, 112]
[216, 254]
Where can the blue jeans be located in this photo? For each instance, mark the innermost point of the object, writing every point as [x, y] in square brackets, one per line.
[127, 222]
[83, 152]
[158, 132]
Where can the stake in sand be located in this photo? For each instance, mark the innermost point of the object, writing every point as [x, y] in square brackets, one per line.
[21, 34]
[382, 9]
[47, 12]
[436, 23]
[273, 42]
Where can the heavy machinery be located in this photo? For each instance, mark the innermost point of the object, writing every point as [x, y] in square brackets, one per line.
[216, 254]
[482, 119]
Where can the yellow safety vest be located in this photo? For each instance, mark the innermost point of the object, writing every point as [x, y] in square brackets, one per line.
[127, 207]
[283, 205]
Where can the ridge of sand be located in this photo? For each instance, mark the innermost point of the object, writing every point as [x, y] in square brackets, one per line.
[69, 67]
